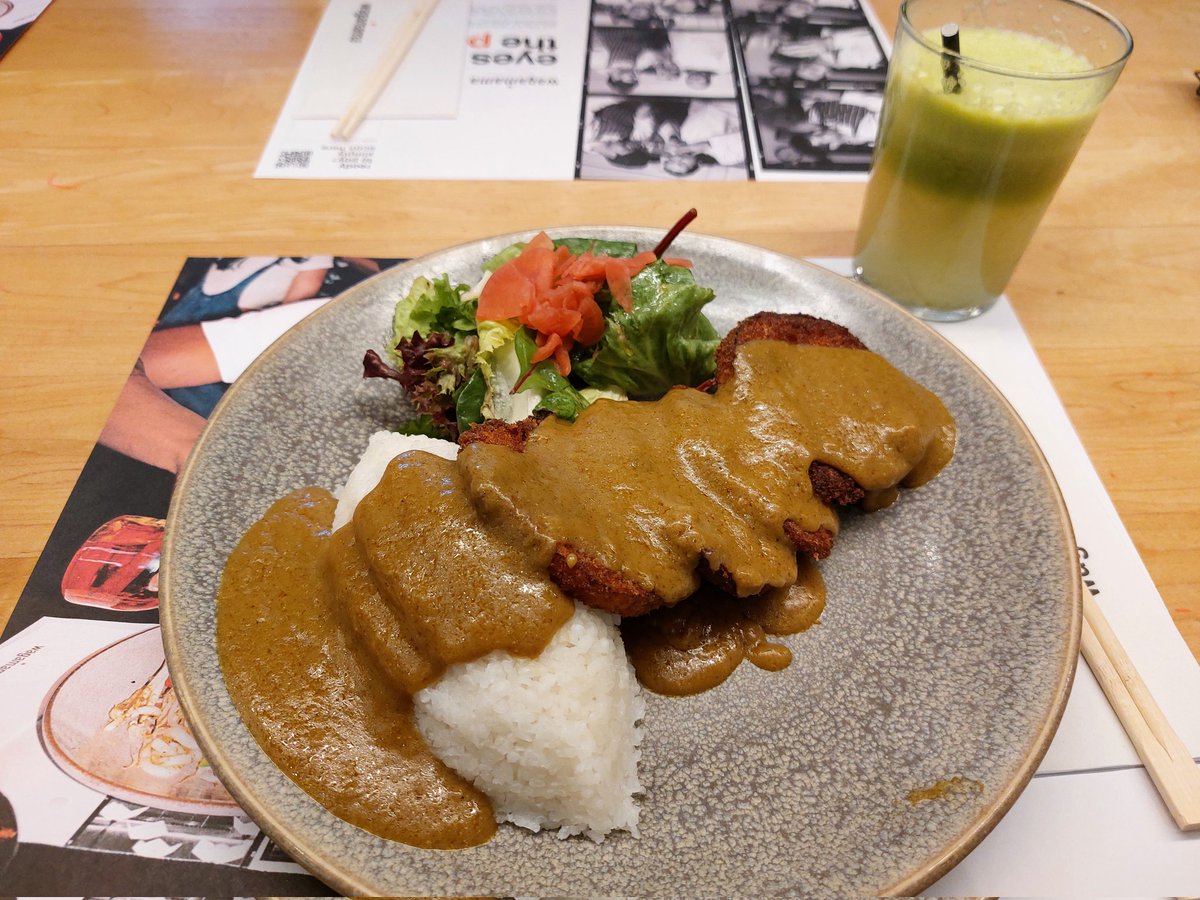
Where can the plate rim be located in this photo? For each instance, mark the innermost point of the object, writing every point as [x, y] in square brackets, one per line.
[351, 884]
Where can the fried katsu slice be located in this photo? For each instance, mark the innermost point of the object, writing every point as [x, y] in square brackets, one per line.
[582, 576]
[590, 581]
[832, 487]
[577, 573]
[586, 578]
[496, 431]
[791, 328]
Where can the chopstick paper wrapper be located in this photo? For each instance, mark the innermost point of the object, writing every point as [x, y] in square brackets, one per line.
[1164, 754]
[374, 86]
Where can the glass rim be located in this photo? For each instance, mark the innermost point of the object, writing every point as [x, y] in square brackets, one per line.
[1077, 75]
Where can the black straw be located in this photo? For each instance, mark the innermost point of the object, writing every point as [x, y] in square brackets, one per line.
[950, 74]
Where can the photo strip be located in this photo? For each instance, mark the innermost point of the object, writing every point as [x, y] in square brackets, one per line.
[814, 76]
[730, 90]
[661, 94]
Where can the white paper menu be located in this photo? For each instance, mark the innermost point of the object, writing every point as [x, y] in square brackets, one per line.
[521, 76]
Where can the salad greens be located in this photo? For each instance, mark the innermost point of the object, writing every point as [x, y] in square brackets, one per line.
[458, 371]
[665, 340]
[558, 395]
[435, 305]
[434, 349]
[576, 245]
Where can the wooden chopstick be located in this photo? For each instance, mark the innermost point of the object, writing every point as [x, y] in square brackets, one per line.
[1165, 756]
[374, 86]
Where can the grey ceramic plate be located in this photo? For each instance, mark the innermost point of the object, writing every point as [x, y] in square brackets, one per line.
[907, 724]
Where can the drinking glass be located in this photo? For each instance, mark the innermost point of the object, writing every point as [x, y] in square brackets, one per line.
[974, 142]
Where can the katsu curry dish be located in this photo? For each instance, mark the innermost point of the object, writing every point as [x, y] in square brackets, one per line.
[599, 496]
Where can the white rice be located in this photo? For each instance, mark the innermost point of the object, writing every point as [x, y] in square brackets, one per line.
[552, 741]
[382, 448]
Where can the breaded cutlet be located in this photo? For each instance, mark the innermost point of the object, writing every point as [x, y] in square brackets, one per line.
[590, 581]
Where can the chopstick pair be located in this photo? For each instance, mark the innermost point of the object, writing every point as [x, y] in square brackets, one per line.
[1161, 750]
[378, 80]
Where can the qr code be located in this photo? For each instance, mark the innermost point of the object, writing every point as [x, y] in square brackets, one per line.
[294, 159]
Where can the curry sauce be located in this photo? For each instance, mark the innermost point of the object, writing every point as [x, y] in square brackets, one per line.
[654, 489]
[313, 699]
[325, 636]
[695, 645]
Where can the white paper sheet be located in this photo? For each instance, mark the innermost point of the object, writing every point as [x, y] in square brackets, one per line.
[1091, 822]
[351, 40]
[1097, 834]
[515, 69]
[504, 89]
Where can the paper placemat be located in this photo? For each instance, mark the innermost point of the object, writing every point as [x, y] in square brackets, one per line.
[15, 18]
[614, 90]
[1089, 823]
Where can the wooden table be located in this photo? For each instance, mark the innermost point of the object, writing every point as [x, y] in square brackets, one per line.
[130, 130]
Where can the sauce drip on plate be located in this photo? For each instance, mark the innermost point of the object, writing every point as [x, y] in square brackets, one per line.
[695, 645]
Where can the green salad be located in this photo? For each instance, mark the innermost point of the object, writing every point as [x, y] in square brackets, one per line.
[549, 327]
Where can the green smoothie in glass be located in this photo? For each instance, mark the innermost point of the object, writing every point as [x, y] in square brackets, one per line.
[967, 162]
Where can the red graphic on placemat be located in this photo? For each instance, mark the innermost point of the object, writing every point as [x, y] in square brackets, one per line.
[117, 567]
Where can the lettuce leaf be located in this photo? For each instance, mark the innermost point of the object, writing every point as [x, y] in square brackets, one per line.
[468, 400]
[425, 424]
[558, 395]
[664, 341]
[433, 348]
[577, 245]
[580, 245]
[502, 369]
[434, 306]
[512, 251]
[492, 337]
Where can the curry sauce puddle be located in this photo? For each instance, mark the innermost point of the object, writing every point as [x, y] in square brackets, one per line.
[312, 702]
[697, 644]
[324, 638]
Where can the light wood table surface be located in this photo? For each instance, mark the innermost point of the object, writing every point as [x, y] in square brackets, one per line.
[130, 129]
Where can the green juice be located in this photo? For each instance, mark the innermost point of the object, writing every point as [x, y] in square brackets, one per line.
[961, 180]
